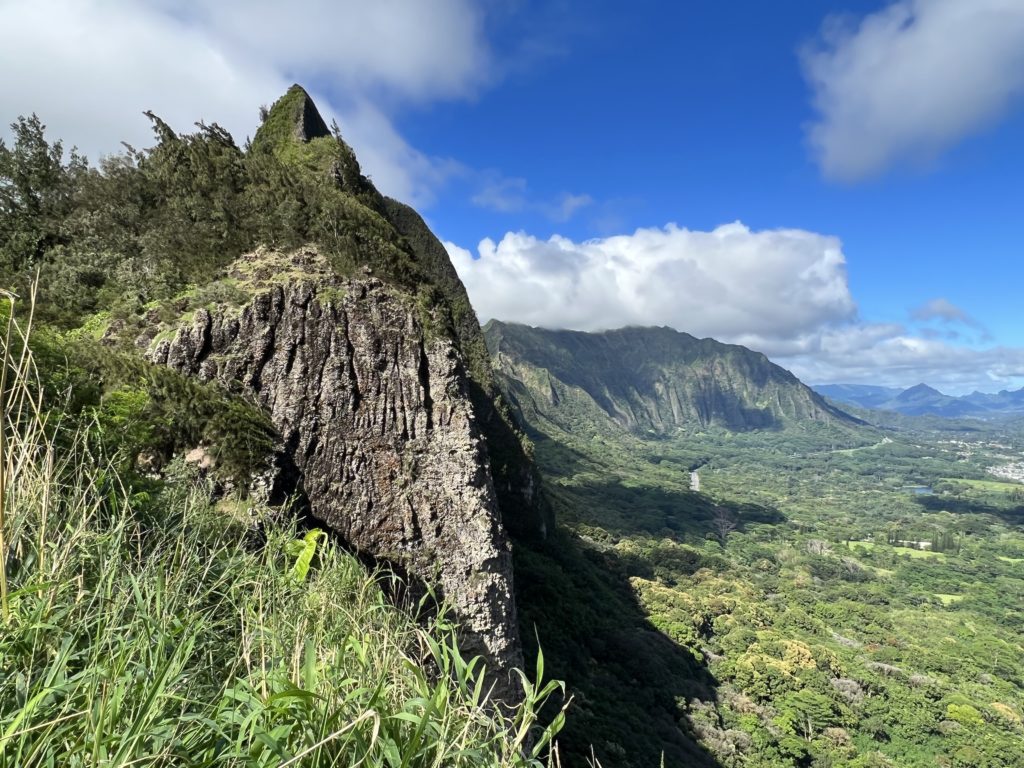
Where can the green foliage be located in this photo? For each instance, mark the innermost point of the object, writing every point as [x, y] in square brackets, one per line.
[122, 420]
[146, 236]
[964, 714]
[304, 550]
[153, 630]
[132, 409]
[36, 194]
[806, 712]
[147, 224]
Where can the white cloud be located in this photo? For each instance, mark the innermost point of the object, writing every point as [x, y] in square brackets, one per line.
[723, 283]
[893, 357]
[416, 48]
[90, 67]
[506, 194]
[943, 310]
[502, 194]
[567, 206]
[942, 319]
[911, 80]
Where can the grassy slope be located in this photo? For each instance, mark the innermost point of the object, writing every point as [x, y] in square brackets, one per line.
[159, 628]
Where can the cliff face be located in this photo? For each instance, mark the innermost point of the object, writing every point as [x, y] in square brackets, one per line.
[376, 417]
[525, 512]
[367, 355]
[648, 380]
[392, 240]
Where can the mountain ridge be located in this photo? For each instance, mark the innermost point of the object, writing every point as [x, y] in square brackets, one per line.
[925, 400]
[654, 380]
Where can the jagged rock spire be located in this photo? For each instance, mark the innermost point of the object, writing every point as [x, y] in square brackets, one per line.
[310, 125]
[294, 116]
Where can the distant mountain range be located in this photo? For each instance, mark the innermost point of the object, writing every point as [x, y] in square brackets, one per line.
[922, 400]
[649, 381]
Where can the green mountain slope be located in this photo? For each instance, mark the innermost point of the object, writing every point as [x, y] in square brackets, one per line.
[649, 381]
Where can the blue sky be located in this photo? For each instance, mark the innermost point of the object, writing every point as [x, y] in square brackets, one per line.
[836, 183]
[696, 113]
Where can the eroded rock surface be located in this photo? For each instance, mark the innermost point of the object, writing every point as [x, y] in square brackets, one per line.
[375, 414]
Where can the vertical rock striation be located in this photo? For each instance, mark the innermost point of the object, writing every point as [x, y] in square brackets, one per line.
[649, 381]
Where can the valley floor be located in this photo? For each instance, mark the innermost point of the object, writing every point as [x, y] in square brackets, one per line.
[814, 632]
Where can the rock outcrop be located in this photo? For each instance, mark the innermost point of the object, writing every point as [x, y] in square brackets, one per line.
[376, 416]
[524, 510]
[391, 239]
[368, 357]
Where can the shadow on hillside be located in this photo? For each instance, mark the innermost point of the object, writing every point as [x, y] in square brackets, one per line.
[628, 680]
[624, 510]
[1010, 514]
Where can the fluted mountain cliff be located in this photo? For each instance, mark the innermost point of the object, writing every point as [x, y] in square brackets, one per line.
[648, 380]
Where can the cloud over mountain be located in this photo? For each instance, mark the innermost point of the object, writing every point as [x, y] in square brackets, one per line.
[783, 292]
[724, 282]
[891, 356]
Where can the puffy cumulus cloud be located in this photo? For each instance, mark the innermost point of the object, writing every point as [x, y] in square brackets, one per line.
[764, 287]
[911, 80]
[90, 67]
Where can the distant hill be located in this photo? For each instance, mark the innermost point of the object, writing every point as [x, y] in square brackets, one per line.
[648, 380]
[863, 395]
[923, 400]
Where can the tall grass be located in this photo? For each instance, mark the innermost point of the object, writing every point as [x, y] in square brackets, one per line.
[153, 630]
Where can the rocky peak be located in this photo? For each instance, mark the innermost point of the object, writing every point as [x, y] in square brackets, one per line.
[310, 124]
[364, 349]
[294, 116]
